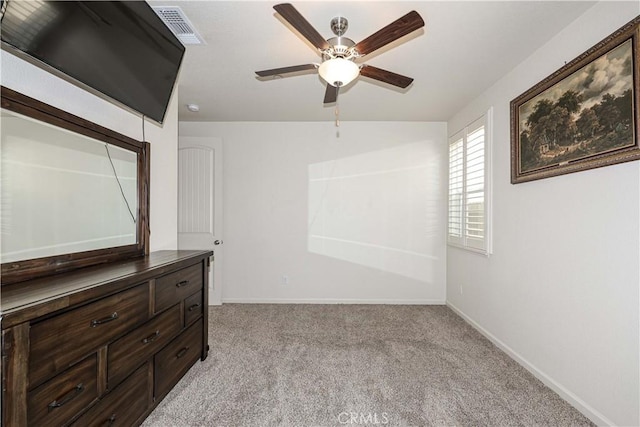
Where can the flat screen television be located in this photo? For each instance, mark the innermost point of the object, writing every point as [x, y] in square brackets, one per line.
[120, 49]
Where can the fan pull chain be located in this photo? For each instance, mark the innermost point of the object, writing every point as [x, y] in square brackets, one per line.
[337, 110]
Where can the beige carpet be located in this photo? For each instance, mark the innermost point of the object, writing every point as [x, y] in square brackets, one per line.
[337, 365]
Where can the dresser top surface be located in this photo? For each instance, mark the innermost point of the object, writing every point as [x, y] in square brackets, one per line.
[59, 290]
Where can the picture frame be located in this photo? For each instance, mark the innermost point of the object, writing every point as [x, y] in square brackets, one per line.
[583, 116]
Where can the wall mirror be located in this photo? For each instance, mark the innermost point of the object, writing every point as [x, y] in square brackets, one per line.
[73, 193]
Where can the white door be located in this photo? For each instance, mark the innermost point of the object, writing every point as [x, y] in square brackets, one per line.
[200, 203]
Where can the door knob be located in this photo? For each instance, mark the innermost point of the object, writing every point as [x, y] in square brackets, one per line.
[218, 242]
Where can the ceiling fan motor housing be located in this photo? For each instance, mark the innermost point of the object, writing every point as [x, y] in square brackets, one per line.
[341, 47]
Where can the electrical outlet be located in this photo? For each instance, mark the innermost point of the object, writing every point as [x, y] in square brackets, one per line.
[285, 279]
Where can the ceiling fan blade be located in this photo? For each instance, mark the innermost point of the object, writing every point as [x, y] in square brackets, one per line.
[285, 70]
[385, 76]
[331, 94]
[398, 28]
[293, 17]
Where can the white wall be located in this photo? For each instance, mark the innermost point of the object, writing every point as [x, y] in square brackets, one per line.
[355, 218]
[561, 291]
[36, 83]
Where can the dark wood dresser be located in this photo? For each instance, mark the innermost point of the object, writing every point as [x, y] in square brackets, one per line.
[102, 345]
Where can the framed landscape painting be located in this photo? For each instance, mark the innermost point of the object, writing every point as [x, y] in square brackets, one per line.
[583, 116]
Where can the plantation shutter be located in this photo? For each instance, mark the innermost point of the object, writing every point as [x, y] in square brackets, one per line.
[456, 189]
[467, 221]
[474, 186]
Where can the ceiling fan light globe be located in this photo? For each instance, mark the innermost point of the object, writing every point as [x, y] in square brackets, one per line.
[338, 71]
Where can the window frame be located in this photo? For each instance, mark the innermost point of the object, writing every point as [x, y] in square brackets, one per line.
[461, 240]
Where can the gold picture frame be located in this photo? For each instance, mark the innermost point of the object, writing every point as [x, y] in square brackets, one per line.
[583, 116]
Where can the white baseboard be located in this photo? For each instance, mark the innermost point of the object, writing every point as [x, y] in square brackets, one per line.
[567, 395]
[331, 301]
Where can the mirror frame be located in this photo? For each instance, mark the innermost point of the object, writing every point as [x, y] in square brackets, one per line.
[19, 271]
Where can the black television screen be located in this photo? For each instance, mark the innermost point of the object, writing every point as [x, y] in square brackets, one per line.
[120, 48]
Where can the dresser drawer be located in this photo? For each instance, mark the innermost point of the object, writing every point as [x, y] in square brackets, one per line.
[63, 339]
[123, 405]
[176, 359]
[192, 308]
[61, 398]
[132, 349]
[174, 287]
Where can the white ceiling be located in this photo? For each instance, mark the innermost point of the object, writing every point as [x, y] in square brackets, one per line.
[463, 49]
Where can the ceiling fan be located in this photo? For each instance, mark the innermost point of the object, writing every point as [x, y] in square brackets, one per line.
[338, 67]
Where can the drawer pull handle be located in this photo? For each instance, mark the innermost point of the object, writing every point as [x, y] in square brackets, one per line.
[183, 283]
[151, 337]
[107, 319]
[194, 306]
[182, 352]
[68, 397]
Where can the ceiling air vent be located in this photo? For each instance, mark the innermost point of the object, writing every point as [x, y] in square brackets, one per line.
[175, 19]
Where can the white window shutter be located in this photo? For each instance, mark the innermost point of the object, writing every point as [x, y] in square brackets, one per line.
[468, 187]
[456, 189]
